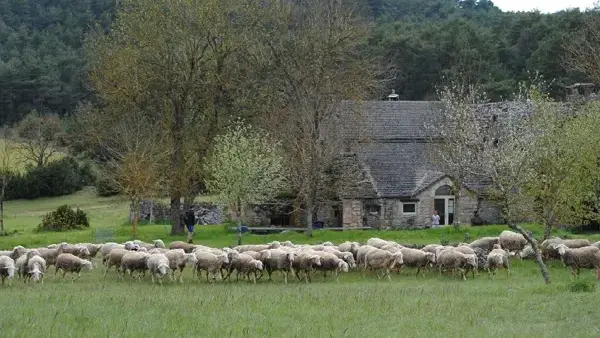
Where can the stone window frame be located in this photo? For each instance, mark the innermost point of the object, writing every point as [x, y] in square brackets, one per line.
[409, 213]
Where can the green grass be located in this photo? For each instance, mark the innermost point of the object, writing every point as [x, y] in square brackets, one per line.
[517, 306]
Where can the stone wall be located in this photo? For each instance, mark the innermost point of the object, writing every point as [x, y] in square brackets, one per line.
[206, 213]
[392, 215]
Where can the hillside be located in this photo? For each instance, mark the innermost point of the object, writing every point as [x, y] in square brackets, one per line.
[42, 62]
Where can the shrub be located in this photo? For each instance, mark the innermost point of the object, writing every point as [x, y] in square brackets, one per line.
[62, 177]
[64, 218]
[105, 188]
[582, 285]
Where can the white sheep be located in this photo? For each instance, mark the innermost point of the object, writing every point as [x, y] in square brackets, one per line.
[92, 248]
[158, 265]
[378, 242]
[211, 263]
[305, 261]
[135, 261]
[383, 260]
[178, 259]
[70, 263]
[330, 262]
[36, 269]
[361, 254]
[417, 258]
[114, 258]
[245, 264]
[277, 259]
[512, 241]
[587, 257]
[348, 257]
[21, 262]
[351, 247]
[454, 260]
[485, 243]
[7, 269]
[498, 258]
[15, 253]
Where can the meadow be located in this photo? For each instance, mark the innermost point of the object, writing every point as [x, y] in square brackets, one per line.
[519, 305]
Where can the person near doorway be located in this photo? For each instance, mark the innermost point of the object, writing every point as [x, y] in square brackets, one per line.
[190, 221]
[435, 219]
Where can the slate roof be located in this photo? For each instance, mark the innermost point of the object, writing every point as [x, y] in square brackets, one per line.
[398, 157]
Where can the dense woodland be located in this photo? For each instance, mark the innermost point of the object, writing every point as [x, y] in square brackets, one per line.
[43, 67]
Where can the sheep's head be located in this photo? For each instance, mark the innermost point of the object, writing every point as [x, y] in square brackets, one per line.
[397, 260]
[349, 258]
[315, 260]
[258, 265]
[274, 245]
[223, 258]
[343, 266]
[11, 272]
[129, 245]
[36, 274]
[290, 257]
[430, 257]
[158, 243]
[472, 261]
[231, 255]
[288, 244]
[265, 254]
[18, 251]
[164, 269]
[561, 248]
[327, 244]
[86, 265]
[83, 252]
[191, 259]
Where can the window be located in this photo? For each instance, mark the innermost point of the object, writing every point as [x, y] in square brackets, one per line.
[409, 208]
[373, 209]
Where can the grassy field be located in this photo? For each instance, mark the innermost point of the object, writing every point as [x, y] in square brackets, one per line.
[17, 160]
[517, 306]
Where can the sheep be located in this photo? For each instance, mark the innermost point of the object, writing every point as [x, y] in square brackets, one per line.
[498, 258]
[587, 257]
[362, 253]
[417, 258]
[486, 243]
[257, 247]
[36, 269]
[548, 246]
[277, 259]
[348, 257]
[378, 242]
[50, 255]
[211, 263]
[160, 250]
[244, 263]
[158, 265]
[383, 260]
[351, 247]
[512, 241]
[77, 250]
[481, 255]
[188, 248]
[527, 253]
[454, 260]
[92, 248]
[288, 244]
[21, 262]
[114, 259]
[157, 243]
[305, 261]
[178, 259]
[70, 263]
[430, 248]
[330, 262]
[15, 253]
[134, 261]
[7, 269]
[107, 248]
[596, 244]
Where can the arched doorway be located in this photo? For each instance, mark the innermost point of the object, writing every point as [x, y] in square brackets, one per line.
[444, 203]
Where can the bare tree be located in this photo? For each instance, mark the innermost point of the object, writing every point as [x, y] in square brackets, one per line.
[582, 47]
[40, 136]
[316, 62]
[134, 162]
[458, 133]
[7, 152]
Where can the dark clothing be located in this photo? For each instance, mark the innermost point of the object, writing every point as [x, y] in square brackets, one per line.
[190, 218]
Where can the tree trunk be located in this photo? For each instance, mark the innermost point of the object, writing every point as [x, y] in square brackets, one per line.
[177, 126]
[309, 217]
[2, 189]
[241, 215]
[538, 255]
[548, 224]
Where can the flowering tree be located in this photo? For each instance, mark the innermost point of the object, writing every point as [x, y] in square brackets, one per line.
[246, 167]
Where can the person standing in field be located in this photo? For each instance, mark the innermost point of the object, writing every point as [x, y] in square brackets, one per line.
[190, 221]
[435, 219]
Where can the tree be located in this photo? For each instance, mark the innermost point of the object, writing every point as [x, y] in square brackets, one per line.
[135, 158]
[181, 62]
[582, 47]
[460, 129]
[316, 62]
[507, 159]
[7, 151]
[40, 136]
[246, 167]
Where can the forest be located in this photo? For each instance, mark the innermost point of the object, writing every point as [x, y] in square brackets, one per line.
[43, 64]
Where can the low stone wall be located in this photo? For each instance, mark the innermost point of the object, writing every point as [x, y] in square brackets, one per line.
[206, 213]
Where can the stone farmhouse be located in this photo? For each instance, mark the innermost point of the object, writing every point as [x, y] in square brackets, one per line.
[399, 183]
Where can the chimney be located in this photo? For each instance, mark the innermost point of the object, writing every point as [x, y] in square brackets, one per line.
[393, 96]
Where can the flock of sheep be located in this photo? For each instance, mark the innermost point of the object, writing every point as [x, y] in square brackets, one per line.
[137, 258]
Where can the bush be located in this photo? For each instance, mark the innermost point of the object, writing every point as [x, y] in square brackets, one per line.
[58, 178]
[105, 188]
[582, 285]
[64, 218]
